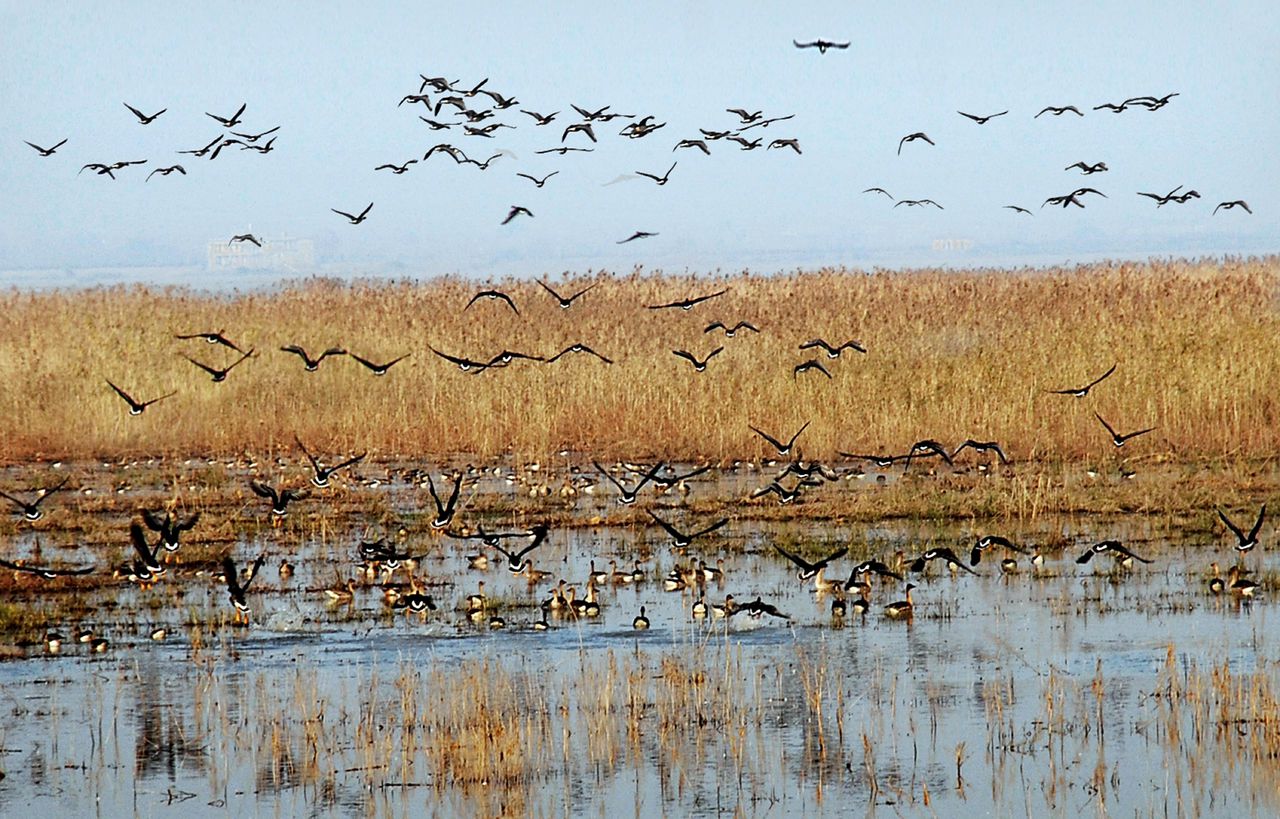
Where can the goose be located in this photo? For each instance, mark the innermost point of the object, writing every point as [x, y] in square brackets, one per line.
[944, 554]
[1113, 546]
[1018, 209]
[1081, 392]
[540, 119]
[245, 237]
[639, 234]
[394, 168]
[444, 511]
[986, 542]
[1245, 542]
[219, 375]
[1086, 169]
[807, 569]
[146, 554]
[515, 559]
[833, 351]
[236, 588]
[912, 138]
[1229, 205]
[137, 407]
[793, 144]
[169, 526]
[981, 120]
[145, 119]
[45, 572]
[628, 496]
[212, 338]
[166, 171]
[1057, 112]
[579, 348]
[280, 499]
[47, 151]
[535, 180]
[758, 608]
[918, 203]
[783, 449]
[517, 210]
[698, 366]
[701, 145]
[682, 540]
[879, 190]
[821, 45]
[231, 121]
[661, 180]
[901, 609]
[379, 369]
[730, 332]
[320, 474]
[809, 366]
[309, 363]
[641, 622]
[1118, 439]
[980, 447]
[31, 509]
[564, 302]
[355, 220]
[1240, 585]
[686, 304]
[256, 137]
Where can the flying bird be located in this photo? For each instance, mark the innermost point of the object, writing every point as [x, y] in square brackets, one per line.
[499, 295]
[309, 363]
[256, 137]
[686, 304]
[661, 180]
[355, 220]
[918, 203]
[745, 116]
[579, 127]
[1229, 205]
[793, 144]
[515, 560]
[535, 180]
[211, 338]
[236, 588]
[1118, 439]
[698, 366]
[444, 511]
[639, 234]
[986, 542]
[807, 569]
[231, 121]
[31, 509]
[730, 332]
[808, 366]
[464, 364]
[1081, 392]
[280, 499]
[47, 151]
[379, 369]
[981, 120]
[245, 237]
[564, 302]
[682, 540]
[1057, 112]
[879, 190]
[701, 145]
[170, 526]
[1087, 169]
[565, 150]
[1113, 546]
[166, 171]
[578, 348]
[944, 554]
[517, 210]
[912, 138]
[821, 45]
[833, 352]
[144, 119]
[219, 374]
[540, 119]
[1245, 542]
[320, 475]
[628, 496]
[783, 449]
[395, 169]
[45, 572]
[137, 407]
[1019, 209]
[980, 447]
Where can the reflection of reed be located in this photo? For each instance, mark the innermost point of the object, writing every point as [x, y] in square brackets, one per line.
[162, 746]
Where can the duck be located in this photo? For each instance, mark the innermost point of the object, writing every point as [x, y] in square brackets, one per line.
[641, 622]
[1216, 584]
[901, 609]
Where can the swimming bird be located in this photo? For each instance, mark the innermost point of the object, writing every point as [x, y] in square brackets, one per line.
[901, 609]
[682, 540]
[280, 499]
[236, 588]
[698, 366]
[1081, 392]
[686, 304]
[231, 121]
[517, 210]
[578, 348]
[641, 622]
[1086, 169]
[564, 302]
[1059, 111]
[219, 374]
[1229, 205]
[31, 509]
[1113, 546]
[45, 572]
[807, 569]
[309, 363]
[355, 220]
[1245, 542]
[661, 180]
[394, 168]
[730, 332]
[833, 351]
[944, 554]
[211, 338]
[166, 171]
[1240, 585]
[986, 542]
[245, 237]
[982, 446]
[808, 366]
[783, 449]
[1118, 439]
[535, 180]
[821, 45]
[380, 369]
[628, 496]
[793, 144]
[981, 120]
[47, 151]
[515, 560]
[1019, 209]
[144, 119]
[137, 407]
[444, 511]
[320, 475]
[639, 234]
[912, 138]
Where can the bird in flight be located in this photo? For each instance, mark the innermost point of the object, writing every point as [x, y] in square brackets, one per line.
[981, 120]
[211, 338]
[1118, 439]
[540, 119]
[1086, 168]
[821, 45]
[535, 180]
[256, 137]
[1019, 209]
[793, 144]
[912, 138]
[47, 151]
[686, 304]
[444, 511]
[578, 348]
[236, 588]
[730, 332]
[833, 352]
[1057, 112]
[170, 526]
[1113, 546]
[879, 190]
[517, 210]
[144, 119]
[564, 302]
[167, 171]
[45, 572]
[807, 569]
[911, 203]
[808, 366]
[746, 117]
[137, 407]
[661, 180]
[945, 554]
[783, 449]
[231, 121]
[698, 366]
[379, 369]
[464, 364]
[219, 375]
[579, 127]
[565, 150]
[515, 560]
[682, 540]
[309, 363]
[31, 509]
[982, 446]
[639, 234]
[320, 474]
[246, 237]
[628, 496]
[496, 294]
[280, 499]
[1081, 392]
[1229, 205]
[355, 220]
[700, 144]
[1245, 542]
[396, 169]
[987, 541]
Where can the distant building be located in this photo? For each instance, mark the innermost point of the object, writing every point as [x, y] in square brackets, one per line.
[284, 255]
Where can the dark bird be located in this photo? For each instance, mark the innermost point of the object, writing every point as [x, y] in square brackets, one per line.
[211, 338]
[445, 148]
[982, 446]
[1151, 103]
[505, 357]
[535, 180]
[866, 566]
[1019, 209]
[355, 220]
[444, 511]
[45, 572]
[1118, 439]
[206, 149]
[320, 475]
[47, 151]
[881, 461]
[793, 144]
[684, 143]
[245, 237]
[256, 137]
[493, 294]
[280, 499]
[1086, 169]
[31, 509]
[1057, 112]
[783, 449]
[807, 569]
[564, 302]
[99, 168]
[681, 540]
[981, 120]
[166, 171]
[833, 352]
[688, 303]
[913, 138]
[309, 363]
[464, 364]
[807, 366]
[785, 495]
[757, 608]
[714, 135]
[1081, 392]
[1110, 106]
[1113, 546]
[1229, 205]
[515, 560]
[137, 407]
[1245, 542]
[219, 374]
[698, 366]
[235, 587]
[231, 121]
[927, 449]
[578, 348]
[986, 542]
[730, 332]
[380, 369]
[169, 526]
[412, 98]
[918, 203]
[661, 180]
[436, 126]
[639, 234]
[879, 190]
[945, 554]
[396, 169]
[565, 150]
[821, 45]
[579, 127]
[146, 554]
[628, 496]
[745, 116]
[1162, 199]
[143, 119]
[515, 211]
[540, 119]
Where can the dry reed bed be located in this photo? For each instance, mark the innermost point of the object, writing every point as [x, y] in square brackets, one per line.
[952, 355]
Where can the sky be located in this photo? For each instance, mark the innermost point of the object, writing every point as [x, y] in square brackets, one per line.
[330, 77]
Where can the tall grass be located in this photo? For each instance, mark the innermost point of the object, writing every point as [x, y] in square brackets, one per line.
[951, 355]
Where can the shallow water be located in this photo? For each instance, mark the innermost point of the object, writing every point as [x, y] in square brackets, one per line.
[1053, 688]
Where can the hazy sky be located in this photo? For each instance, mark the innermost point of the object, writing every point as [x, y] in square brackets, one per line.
[330, 77]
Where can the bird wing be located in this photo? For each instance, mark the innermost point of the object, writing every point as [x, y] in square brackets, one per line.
[1095, 382]
[1106, 425]
[262, 490]
[1235, 529]
[708, 530]
[799, 561]
[1257, 526]
[778, 445]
